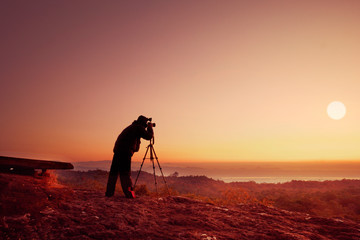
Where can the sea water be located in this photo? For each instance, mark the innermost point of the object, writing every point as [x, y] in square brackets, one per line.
[280, 179]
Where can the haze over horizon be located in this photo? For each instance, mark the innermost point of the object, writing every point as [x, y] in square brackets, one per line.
[224, 81]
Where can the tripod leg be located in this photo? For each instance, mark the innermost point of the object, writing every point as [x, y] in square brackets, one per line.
[162, 174]
[152, 160]
[147, 149]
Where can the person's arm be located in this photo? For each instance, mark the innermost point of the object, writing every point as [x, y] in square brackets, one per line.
[149, 133]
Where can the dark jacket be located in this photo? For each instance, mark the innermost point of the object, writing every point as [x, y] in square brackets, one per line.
[129, 138]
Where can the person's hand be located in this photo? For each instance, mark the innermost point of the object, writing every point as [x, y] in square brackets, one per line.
[149, 125]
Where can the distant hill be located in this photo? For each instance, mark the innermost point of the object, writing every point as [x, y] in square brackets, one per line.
[33, 208]
[168, 168]
[221, 170]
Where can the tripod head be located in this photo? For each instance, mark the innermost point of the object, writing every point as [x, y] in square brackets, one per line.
[152, 141]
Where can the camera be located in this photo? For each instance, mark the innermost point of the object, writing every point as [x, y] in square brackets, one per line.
[152, 124]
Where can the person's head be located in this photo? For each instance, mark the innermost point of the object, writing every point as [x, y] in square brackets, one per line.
[142, 120]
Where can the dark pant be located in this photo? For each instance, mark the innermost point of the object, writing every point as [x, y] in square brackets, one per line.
[121, 165]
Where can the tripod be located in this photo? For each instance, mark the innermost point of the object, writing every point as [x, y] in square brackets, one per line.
[150, 148]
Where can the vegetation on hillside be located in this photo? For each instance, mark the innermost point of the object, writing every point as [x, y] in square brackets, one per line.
[327, 199]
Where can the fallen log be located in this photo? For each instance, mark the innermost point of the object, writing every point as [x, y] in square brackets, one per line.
[28, 166]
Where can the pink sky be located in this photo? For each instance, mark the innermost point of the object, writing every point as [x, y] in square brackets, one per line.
[223, 80]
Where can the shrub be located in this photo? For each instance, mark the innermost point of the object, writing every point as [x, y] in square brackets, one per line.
[142, 190]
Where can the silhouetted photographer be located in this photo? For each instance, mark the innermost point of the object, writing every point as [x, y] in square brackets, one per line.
[126, 144]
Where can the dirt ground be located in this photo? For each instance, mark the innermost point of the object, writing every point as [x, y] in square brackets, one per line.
[38, 208]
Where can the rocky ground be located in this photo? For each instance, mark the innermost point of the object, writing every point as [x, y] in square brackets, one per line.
[39, 208]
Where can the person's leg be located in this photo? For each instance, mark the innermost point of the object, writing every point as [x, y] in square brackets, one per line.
[113, 175]
[126, 184]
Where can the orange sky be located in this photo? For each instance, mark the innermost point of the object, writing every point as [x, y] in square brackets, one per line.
[223, 80]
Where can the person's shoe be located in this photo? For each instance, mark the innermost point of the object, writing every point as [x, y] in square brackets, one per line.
[131, 193]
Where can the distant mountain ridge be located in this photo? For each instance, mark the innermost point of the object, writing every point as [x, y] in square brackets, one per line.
[147, 167]
[218, 170]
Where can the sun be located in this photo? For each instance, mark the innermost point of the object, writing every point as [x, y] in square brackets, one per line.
[336, 110]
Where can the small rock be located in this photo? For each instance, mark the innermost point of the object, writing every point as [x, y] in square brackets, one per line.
[4, 223]
[263, 214]
[47, 211]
